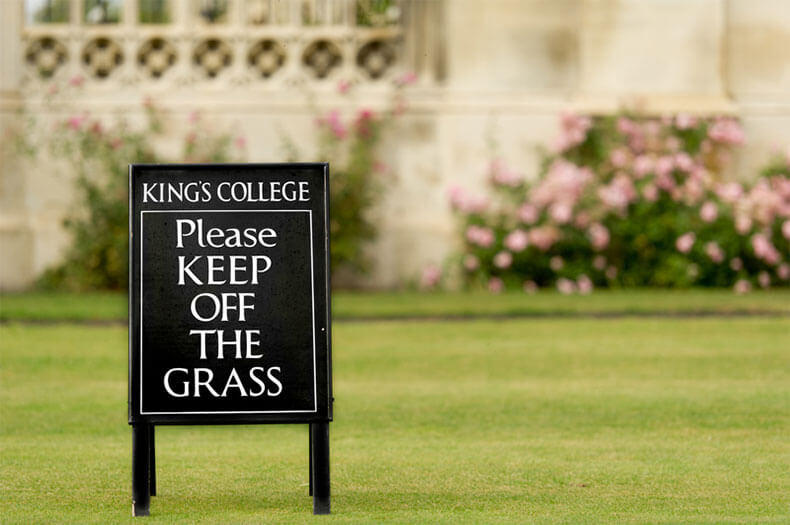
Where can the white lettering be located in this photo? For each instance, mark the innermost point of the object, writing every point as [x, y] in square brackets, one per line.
[275, 381]
[167, 382]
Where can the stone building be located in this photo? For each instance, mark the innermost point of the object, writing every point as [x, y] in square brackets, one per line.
[489, 72]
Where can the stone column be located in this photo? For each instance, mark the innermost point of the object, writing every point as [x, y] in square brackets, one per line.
[16, 241]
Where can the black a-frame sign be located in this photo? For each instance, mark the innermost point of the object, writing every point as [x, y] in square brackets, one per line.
[229, 319]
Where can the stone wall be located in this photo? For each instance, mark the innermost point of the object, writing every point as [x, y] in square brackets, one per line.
[491, 73]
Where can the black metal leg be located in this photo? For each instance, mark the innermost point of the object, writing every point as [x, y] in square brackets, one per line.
[152, 461]
[319, 436]
[310, 466]
[141, 498]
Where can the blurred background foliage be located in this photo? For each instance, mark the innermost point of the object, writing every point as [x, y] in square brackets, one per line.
[625, 201]
[98, 153]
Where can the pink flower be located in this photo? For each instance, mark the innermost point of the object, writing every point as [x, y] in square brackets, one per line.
[116, 143]
[76, 80]
[240, 142]
[708, 212]
[565, 286]
[380, 167]
[561, 212]
[665, 181]
[611, 272]
[714, 251]
[618, 157]
[783, 271]
[343, 86]
[736, 264]
[652, 127]
[503, 176]
[599, 262]
[764, 249]
[726, 131]
[763, 279]
[643, 165]
[685, 242]
[699, 173]
[362, 122]
[503, 260]
[742, 286]
[528, 213]
[786, 230]
[582, 220]
[743, 224]
[517, 241]
[556, 263]
[673, 143]
[457, 196]
[650, 192]
[495, 285]
[637, 141]
[685, 121]
[599, 236]
[543, 237]
[431, 275]
[764, 202]
[460, 200]
[530, 287]
[400, 106]
[364, 115]
[480, 236]
[664, 165]
[194, 117]
[584, 284]
[683, 161]
[618, 193]
[564, 182]
[471, 263]
[573, 131]
[76, 122]
[336, 126]
[626, 126]
[781, 185]
[406, 79]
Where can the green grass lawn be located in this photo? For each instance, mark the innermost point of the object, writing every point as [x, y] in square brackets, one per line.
[546, 420]
[349, 305]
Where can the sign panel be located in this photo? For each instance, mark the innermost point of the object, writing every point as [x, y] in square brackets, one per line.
[229, 295]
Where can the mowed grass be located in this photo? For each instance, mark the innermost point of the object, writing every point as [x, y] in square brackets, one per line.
[109, 306]
[515, 421]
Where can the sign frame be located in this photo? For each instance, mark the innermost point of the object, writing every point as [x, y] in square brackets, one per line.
[140, 416]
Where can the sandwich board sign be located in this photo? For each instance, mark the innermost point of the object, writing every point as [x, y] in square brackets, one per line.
[229, 319]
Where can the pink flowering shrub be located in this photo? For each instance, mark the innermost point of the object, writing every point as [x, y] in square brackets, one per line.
[349, 139]
[629, 201]
[97, 154]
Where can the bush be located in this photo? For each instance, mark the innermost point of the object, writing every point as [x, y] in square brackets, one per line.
[98, 157]
[355, 174]
[629, 201]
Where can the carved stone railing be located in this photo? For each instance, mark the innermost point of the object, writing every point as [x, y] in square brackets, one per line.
[276, 43]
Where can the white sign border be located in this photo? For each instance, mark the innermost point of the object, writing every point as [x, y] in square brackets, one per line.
[312, 290]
